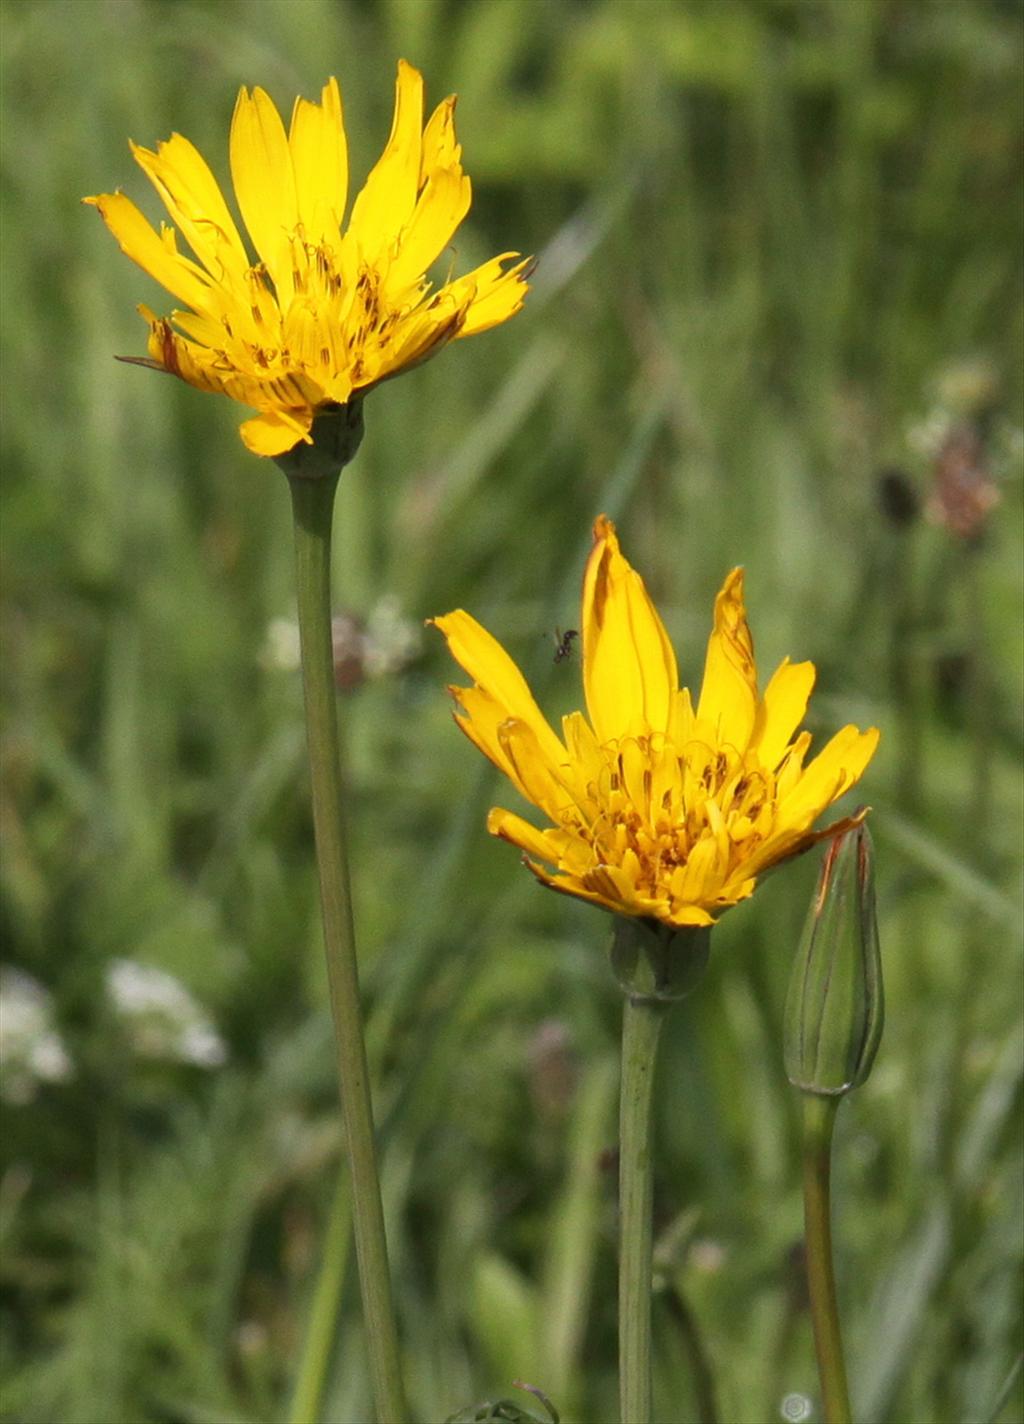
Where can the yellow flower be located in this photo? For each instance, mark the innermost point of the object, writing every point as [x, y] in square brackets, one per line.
[322, 315]
[656, 809]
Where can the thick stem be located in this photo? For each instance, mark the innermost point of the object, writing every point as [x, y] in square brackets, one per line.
[641, 1026]
[312, 506]
[819, 1115]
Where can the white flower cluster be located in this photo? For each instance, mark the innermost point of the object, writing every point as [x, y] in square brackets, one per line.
[162, 1018]
[364, 650]
[31, 1049]
[390, 641]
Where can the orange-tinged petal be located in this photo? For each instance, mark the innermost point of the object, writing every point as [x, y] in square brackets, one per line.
[629, 667]
[728, 694]
[264, 179]
[491, 668]
[320, 161]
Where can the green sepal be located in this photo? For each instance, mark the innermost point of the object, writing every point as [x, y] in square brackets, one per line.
[656, 963]
[337, 433]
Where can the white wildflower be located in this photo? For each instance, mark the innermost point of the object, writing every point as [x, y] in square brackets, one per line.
[162, 1018]
[31, 1049]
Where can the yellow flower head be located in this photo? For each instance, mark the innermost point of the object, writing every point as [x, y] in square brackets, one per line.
[656, 809]
[321, 315]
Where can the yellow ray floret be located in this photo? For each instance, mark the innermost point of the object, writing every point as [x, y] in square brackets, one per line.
[324, 312]
[655, 809]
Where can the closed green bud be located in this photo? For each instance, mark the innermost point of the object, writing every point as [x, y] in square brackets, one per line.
[834, 1008]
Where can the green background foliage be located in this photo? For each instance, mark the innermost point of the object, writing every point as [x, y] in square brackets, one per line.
[779, 248]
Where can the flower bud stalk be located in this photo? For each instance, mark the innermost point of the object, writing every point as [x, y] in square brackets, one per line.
[834, 1016]
[819, 1115]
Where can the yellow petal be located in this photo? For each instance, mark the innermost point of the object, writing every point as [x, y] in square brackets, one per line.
[683, 915]
[320, 161]
[442, 205]
[792, 843]
[264, 179]
[388, 197]
[534, 771]
[272, 432]
[440, 149]
[479, 715]
[832, 772]
[699, 880]
[196, 364]
[782, 710]
[412, 341]
[728, 694]
[194, 200]
[491, 668]
[629, 668]
[584, 749]
[573, 885]
[155, 255]
[496, 292]
[791, 768]
[517, 832]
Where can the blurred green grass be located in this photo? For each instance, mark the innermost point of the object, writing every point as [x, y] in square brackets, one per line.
[778, 242]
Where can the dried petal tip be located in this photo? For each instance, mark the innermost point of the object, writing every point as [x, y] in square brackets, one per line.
[834, 1008]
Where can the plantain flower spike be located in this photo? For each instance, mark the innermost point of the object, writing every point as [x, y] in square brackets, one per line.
[834, 1008]
[658, 810]
[324, 312]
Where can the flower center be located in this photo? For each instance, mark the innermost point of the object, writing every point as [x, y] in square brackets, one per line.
[657, 803]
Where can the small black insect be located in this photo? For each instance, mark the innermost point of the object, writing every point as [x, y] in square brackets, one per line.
[563, 643]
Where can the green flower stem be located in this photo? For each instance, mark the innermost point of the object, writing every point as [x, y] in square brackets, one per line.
[641, 1027]
[819, 1116]
[312, 506]
[322, 1326]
